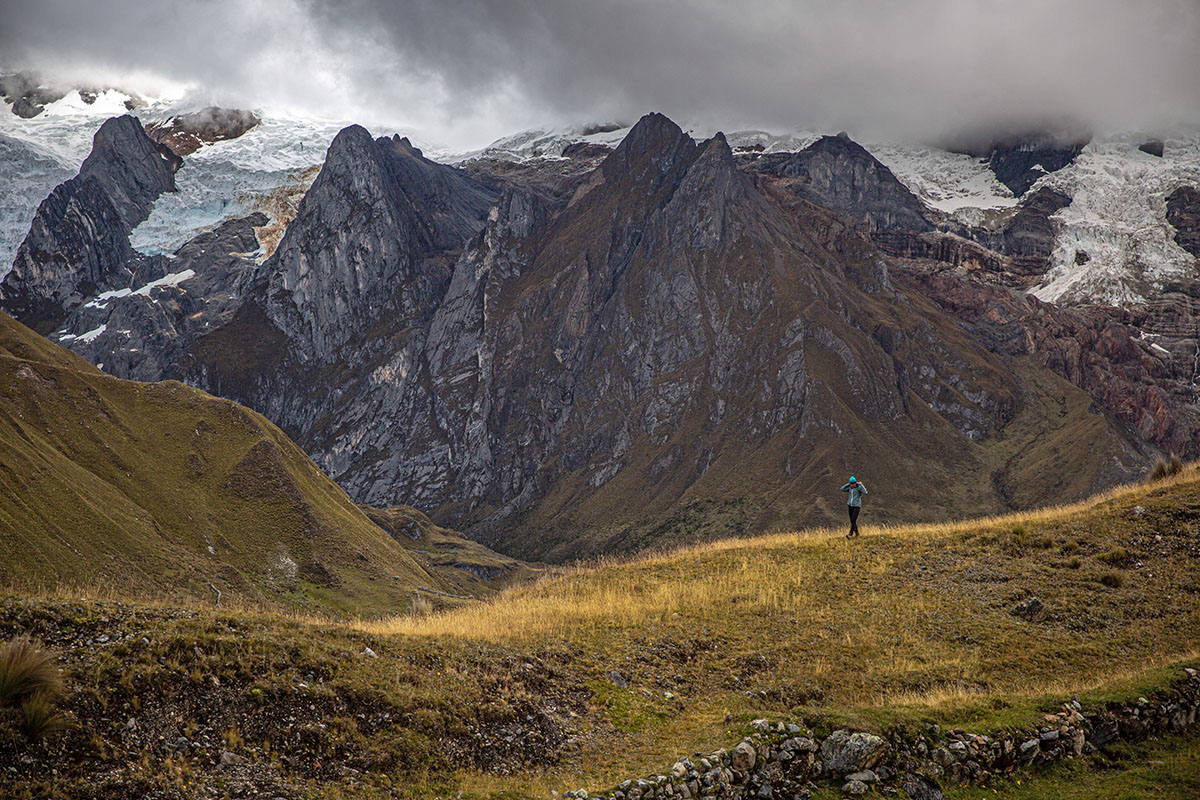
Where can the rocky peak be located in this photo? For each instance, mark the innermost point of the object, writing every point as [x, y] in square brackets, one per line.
[361, 237]
[840, 174]
[79, 239]
[655, 152]
[130, 167]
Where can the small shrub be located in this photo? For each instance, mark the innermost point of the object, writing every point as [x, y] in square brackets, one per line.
[1071, 547]
[1074, 563]
[1018, 530]
[1043, 542]
[1174, 465]
[1118, 555]
[1112, 580]
[26, 670]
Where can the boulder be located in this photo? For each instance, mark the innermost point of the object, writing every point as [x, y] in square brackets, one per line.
[921, 787]
[1030, 609]
[844, 752]
[743, 756]
[854, 788]
[866, 776]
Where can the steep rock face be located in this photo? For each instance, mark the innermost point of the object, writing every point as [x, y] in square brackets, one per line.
[79, 240]
[672, 329]
[1026, 238]
[362, 238]
[1183, 212]
[1139, 364]
[142, 331]
[839, 174]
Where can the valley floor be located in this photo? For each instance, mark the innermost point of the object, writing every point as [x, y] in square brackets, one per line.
[597, 674]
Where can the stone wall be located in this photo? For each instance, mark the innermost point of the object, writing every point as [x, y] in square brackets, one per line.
[784, 761]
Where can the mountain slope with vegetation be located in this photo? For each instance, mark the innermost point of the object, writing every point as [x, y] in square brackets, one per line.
[159, 489]
[597, 674]
[659, 343]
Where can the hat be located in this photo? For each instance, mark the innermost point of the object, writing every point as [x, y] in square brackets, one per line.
[853, 479]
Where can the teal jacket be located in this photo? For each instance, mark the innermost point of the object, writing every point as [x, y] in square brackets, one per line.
[856, 490]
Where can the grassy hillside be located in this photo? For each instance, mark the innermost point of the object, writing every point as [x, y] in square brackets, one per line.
[514, 697]
[157, 489]
[468, 568]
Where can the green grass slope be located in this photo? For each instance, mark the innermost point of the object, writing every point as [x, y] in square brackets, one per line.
[138, 489]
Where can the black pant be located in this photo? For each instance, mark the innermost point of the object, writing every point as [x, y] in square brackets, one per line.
[854, 519]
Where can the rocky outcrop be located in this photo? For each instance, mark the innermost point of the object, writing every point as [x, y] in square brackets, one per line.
[184, 134]
[27, 95]
[1019, 161]
[1027, 238]
[1183, 212]
[839, 174]
[78, 243]
[1152, 147]
[143, 331]
[1137, 363]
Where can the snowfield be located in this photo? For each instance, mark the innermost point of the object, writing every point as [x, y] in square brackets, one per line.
[1118, 216]
[946, 181]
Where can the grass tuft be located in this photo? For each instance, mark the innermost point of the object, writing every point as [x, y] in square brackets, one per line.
[1166, 469]
[26, 670]
[1113, 580]
[1115, 557]
[30, 687]
[39, 717]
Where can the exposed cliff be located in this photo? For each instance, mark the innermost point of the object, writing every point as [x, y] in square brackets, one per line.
[79, 240]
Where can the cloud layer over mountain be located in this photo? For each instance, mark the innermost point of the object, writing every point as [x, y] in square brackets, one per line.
[467, 71]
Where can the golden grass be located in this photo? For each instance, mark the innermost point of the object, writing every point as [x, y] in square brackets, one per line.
[606, 593]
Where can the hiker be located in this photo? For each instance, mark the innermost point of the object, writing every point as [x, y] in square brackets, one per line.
[854, 503]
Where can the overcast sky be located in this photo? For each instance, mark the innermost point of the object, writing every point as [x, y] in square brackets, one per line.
[465, 72]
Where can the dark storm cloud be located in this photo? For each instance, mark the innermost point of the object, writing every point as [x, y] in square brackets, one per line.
[471, 70]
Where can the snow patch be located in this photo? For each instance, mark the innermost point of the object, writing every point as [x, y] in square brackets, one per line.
[90, 336]
[171, 280]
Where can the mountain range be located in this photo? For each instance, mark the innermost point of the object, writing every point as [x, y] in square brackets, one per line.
[622, 337]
